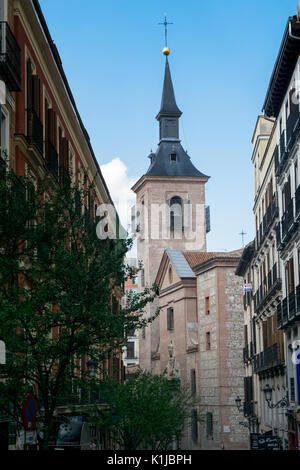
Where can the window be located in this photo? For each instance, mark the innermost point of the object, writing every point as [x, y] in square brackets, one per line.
[207, 305]
[170, 319]
[173, 158]
[130, 333]
[144, 332]
[209, 425]
[208, 340]
[170, 275]
[193, 381]
[142, 277]
[286, 195]
[296, 175]
[130, 350]
[194, 425]
[176, 219]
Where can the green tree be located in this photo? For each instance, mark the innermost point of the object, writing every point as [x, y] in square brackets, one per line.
[59, 287]
[147, 412]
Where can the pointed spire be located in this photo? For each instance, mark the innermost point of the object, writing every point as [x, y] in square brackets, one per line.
[168, 105]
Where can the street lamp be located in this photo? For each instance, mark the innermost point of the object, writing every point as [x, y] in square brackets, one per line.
[247, 409]
[283, 402]
[92, 367]
[238, 402]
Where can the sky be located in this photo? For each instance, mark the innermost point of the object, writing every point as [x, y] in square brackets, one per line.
[222, 57]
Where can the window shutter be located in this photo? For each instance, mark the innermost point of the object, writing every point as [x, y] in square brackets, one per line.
[264, 329]
[29, 84]
[65, 147]
[36, 94]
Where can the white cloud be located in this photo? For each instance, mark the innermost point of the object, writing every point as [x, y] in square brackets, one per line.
[119, 185]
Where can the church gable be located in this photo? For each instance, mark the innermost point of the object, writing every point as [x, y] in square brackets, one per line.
[174, 267]
[170, 276]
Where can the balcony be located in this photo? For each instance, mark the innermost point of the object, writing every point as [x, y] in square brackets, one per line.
[289, 309]
[51, 158]
[265, 291]
[10, 58]
[288, 221]
[268, 219]
[35, 130]
[270, 357]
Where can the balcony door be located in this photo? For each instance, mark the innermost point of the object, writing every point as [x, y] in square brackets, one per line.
[289, 277]
[286, 195]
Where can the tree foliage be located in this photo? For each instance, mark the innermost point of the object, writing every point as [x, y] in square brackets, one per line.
[147, 412]
[59, 289]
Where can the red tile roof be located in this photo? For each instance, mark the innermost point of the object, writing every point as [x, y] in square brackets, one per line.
[194, 258]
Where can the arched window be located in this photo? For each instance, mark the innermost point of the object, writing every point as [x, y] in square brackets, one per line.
[176, 214]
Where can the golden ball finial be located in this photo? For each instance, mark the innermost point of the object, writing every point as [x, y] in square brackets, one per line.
[166, 51]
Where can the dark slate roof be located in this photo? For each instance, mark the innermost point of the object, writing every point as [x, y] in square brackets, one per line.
[162, 166]
[284, 66]
[168, 105]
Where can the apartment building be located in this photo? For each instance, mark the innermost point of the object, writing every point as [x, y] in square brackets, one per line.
[41, 130]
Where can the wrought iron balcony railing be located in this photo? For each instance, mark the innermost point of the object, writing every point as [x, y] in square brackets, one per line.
[270, 357]
[10, 58]
[266, 289]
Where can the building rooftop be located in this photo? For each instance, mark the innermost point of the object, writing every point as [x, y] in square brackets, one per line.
[195, 258]
[283, 69]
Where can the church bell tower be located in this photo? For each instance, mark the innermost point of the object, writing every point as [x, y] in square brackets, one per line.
[170, 208]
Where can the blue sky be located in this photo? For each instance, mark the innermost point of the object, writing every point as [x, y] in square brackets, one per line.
[222, 56]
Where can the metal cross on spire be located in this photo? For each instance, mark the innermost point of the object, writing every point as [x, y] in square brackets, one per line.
[165, 24]
[243, 235]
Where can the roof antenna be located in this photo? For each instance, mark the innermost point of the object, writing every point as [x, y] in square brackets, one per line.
[298, 12]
